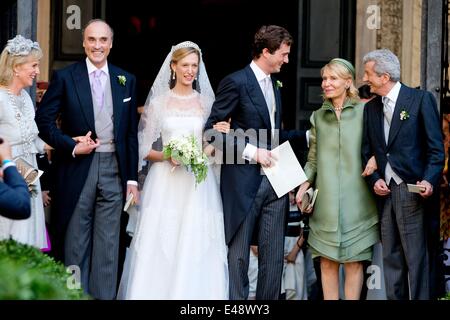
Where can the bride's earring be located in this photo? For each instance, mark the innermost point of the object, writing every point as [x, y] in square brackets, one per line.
[173, 75]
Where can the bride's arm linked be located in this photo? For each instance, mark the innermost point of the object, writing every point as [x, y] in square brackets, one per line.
[223, 127]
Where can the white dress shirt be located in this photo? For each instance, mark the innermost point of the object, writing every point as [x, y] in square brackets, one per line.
[250, 150]
[389, 102]
[91, 69]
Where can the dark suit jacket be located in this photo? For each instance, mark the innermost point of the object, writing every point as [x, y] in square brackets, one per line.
[69, 95]
[14, 195]
[415, 146]
[239, 96]
[45, 165]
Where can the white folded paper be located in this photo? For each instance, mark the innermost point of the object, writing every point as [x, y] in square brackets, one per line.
[416, 188]
[129, 202]
[132, 220]
[286, 173]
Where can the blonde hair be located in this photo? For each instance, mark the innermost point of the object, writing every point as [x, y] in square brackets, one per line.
[341, 71]
[8, 62]
[177, 55]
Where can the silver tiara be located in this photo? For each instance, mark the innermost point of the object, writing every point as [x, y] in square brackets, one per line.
[20, 46]
[186, 44]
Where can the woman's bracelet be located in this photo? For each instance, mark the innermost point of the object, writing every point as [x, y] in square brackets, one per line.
[5, 161]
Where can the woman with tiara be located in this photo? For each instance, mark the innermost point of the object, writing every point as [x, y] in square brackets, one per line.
[19, 66]
[178, 249]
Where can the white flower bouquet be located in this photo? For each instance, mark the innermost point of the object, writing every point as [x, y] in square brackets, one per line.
[188, 153]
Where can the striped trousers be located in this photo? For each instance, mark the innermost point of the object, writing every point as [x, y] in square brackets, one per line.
[267, 218]
[92, 238]
[405, 254]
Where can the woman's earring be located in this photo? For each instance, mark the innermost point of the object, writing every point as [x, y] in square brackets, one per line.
[173, 75]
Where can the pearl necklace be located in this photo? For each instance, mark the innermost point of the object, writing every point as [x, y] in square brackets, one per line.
[26, 134]
[338, 109]
[17, 110]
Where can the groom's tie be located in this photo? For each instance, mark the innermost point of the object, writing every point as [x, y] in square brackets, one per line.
[270, 101]
[268, 93]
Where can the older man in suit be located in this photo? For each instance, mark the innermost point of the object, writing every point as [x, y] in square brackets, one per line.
[402, 130]
[251, 97]
[96, 156]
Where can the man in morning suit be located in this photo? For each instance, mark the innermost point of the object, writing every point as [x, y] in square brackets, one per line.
[96, 157]
[402, 130]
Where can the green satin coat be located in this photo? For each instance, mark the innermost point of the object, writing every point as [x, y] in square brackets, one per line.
[344, 224]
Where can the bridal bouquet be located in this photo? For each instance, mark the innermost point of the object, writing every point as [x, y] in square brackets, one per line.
[188, 153]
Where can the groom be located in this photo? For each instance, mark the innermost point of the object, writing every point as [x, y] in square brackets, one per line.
[251, 97]
[96, 157]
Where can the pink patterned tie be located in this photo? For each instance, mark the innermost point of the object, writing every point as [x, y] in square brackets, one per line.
[97, 88]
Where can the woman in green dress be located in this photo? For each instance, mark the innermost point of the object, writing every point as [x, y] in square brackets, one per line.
[344, 225]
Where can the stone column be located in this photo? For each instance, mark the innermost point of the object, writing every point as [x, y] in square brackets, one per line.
[390, 34]
[27, 18]
[26, 26]
[43, 36]
[367, 22]
[431, 55]
[410, 58]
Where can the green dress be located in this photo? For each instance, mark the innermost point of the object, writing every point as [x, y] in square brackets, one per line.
[344, 224]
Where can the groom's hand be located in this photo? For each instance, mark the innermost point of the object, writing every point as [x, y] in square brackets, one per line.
[264, 157]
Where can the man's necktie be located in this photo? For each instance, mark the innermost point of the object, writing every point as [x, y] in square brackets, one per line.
[97, 88]
[387, 110]
[268, 93]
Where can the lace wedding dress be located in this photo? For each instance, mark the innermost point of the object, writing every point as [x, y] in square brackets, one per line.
[18, 127]
[178, 249]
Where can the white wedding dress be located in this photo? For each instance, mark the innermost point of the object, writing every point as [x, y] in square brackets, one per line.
[178, 250]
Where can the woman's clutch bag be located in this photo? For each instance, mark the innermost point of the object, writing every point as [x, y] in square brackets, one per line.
[308, 199]
[27, 171]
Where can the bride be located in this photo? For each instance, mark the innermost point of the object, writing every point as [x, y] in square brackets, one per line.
[178, 249]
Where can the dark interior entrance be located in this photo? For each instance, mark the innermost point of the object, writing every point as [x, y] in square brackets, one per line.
[8, 21]
[146, 30]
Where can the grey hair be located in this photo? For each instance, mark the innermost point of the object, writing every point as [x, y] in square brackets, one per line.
[385, 62]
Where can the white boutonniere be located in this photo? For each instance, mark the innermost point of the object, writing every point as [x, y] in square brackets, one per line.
[279, 84]
[404, 115]
[122, 80]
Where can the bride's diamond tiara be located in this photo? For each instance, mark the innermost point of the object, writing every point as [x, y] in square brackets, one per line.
[186, 44]
[20, 46]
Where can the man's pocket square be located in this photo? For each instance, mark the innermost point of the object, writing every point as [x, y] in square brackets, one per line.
[127, 99]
